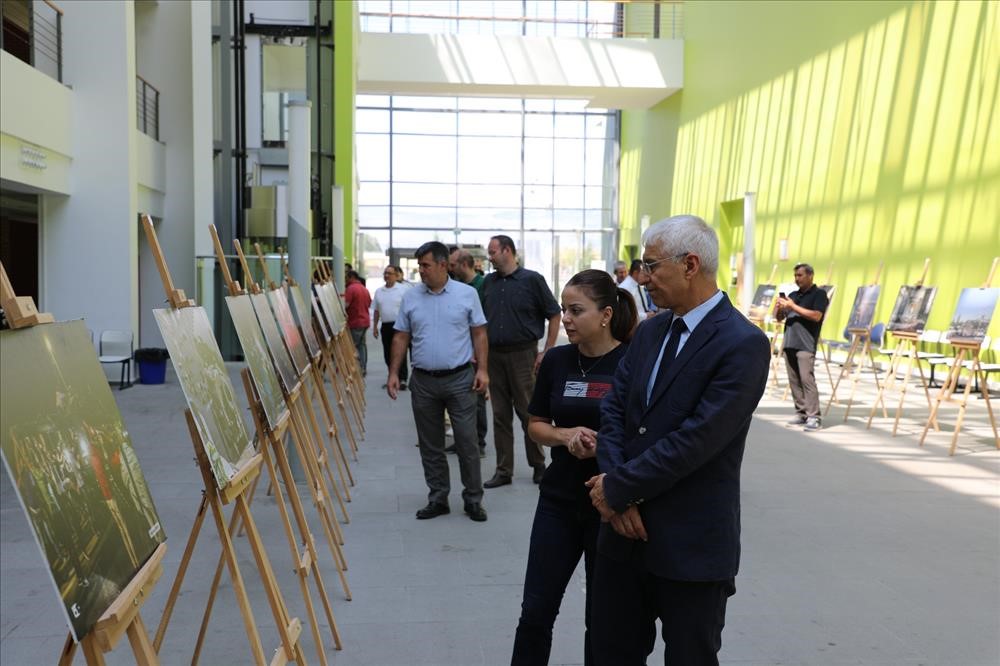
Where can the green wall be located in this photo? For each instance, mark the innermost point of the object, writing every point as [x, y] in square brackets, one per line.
[345, 39]
[868, 130]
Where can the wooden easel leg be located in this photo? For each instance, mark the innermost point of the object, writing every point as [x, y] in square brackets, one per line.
[843, 370]
[139, 640]
[323, 454]
[332, 430]
[319, 457]
[855, 374]
[307, 538]
[316, 487]
[91, 652]
[229, 553]
[946, 388]
[288, 629]
[961, 409]
[927, 392]
[889, 382]
[341, 407]
[986, 398]
[902, 391]
[175, 589]
[68, 651]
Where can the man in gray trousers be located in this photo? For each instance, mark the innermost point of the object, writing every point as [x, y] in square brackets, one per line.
[444, 321]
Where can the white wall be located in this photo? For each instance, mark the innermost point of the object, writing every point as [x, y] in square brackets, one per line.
[173, 53]
[36, 114]
[89, 239]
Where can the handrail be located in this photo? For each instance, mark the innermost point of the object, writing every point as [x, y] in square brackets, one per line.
[54, 7]
[147, 108]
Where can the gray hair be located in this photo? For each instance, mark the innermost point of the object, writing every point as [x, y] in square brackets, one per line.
[806, 267]
[686, 234]
[620, 264]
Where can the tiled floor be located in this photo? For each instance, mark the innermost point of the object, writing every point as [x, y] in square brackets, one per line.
[858, 548]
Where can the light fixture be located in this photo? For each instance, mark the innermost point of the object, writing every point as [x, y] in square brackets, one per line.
[783, 249]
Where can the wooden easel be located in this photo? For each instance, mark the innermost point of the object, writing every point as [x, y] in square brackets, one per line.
[861, 343]
[340, 357]
[214, 497]
[967, 352]
[312, 381]
[309, 456]
[122, 616]
[342, 352]
[271, 439]
[772, 335]
[302, 410]
[326, 362]
[316, 360]
[906, 348]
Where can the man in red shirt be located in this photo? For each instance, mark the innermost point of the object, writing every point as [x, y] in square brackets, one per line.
[357, 300]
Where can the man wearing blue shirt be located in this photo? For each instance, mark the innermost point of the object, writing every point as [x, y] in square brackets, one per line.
[444, 321]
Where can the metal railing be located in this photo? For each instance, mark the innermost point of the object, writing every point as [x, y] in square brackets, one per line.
[653, 19]
[32, 32]
[147, 108]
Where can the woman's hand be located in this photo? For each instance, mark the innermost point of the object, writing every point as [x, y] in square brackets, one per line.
[582, 442]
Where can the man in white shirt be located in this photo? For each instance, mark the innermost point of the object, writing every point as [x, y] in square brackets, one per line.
[386, 306]
[639, 295]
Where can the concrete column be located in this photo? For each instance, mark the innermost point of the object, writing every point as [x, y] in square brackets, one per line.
[337, 232]
[299, 189]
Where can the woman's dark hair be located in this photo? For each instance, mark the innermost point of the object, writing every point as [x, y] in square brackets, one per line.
[601, 288]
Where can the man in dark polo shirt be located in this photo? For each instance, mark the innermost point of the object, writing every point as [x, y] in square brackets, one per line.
[518, 303]
[803, 311]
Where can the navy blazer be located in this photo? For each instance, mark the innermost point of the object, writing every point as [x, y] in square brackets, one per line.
[678, 458]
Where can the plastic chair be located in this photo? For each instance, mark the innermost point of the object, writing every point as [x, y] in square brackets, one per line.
[116, 347]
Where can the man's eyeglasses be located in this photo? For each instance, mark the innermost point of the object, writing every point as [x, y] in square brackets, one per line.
[647, 266]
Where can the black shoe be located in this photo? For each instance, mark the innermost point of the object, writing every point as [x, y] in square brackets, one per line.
[497, 481]
[476, 512]
[538, 474]
[402, 386]
[450, 449]
[432, 510]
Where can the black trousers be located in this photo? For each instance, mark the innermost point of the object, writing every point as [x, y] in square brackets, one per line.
[627, 600]
[386, 332]
[561, 533]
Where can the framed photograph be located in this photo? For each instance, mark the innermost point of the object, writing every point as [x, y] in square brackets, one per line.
[973, 314]
[760, 307]
[912, 309]
[73, 467]
[320, 319]
[272, 337]
[289, 329]
[304, 320]
[863, 310]
[207, 388]
[257, 356]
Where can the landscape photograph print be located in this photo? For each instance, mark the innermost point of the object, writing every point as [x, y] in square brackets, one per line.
[73, 467]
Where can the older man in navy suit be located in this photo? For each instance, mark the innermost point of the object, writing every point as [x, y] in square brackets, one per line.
[673, 430]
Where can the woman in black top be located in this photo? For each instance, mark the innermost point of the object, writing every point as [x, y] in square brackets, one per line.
[565, 414]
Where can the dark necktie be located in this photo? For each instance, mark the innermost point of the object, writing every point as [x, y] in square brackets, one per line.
[670, 351]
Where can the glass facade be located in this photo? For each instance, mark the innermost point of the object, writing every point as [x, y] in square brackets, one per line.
[460, 170]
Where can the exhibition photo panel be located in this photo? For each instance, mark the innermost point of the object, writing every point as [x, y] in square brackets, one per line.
[289, 329]
[302, 314]
[207, 389]
[74, 468]
[257, 357]
[863, 310]
[973, 314]
[760, 307]
[912, 309]
[272, 337]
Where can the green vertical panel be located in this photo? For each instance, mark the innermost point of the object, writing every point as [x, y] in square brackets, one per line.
[345, 34]
[863, 127]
